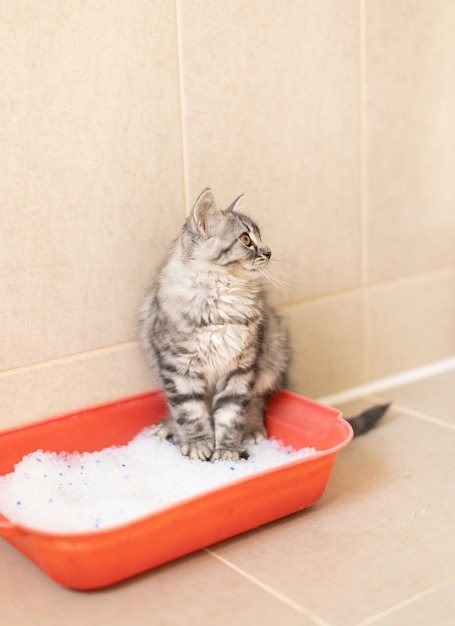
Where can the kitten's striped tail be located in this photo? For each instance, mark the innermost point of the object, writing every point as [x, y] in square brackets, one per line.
[365, 421]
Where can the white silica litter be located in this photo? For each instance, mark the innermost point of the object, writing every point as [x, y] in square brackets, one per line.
[77, 492]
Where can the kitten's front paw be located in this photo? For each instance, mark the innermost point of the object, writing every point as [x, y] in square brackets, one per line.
[163, 430]
[201, 449]
[224, 454]
[255, 436]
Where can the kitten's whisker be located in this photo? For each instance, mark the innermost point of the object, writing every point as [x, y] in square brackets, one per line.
[275, 260]
[275, 280]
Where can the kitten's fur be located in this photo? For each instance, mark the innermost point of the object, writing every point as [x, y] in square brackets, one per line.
[212, 339]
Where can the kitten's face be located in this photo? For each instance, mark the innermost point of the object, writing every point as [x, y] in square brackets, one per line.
[226, 238]
[239, 242]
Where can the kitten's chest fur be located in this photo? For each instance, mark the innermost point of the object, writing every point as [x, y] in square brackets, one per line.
[216, 314]
[214, 297]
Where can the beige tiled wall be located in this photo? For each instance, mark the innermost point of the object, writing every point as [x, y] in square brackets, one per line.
[336, 118]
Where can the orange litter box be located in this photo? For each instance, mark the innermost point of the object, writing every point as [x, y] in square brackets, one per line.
[90, 560]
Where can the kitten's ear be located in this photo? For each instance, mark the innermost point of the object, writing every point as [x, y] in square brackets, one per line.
[235, 205]
[204, 216]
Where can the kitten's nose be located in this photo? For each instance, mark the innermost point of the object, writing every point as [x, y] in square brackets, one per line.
[267, 253]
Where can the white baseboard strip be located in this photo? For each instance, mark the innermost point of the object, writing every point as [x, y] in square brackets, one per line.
[383, 384]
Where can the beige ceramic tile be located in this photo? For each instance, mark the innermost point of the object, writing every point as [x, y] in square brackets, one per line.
[63, 385]
[435, 607]
[326, 338]
[91, 185]
[194, 590]
[411, 323]
[434, 396]
[271, 110]
[383, 532]
[410, 123]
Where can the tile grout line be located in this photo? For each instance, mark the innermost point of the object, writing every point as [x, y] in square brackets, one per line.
[421, 416]
[70, 357]
[392, 282]
[411, 600]
[362, 146]
[279, 596]
[363, 193]
[320, 298]
[178, 24]
[424, 417]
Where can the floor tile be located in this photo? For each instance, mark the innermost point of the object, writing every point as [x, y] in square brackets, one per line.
[195, 590]
[434, 396]
[381, 534]
[436, 607]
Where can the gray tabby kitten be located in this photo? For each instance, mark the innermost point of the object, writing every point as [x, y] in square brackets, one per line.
[211, 337]
[213, 341]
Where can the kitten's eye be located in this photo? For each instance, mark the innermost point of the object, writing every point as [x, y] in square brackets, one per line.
[245, 239]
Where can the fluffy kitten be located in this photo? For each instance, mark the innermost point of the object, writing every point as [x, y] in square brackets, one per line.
[210, 335]
[212, 339]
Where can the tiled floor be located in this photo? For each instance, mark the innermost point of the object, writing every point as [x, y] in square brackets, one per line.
[378, 548]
